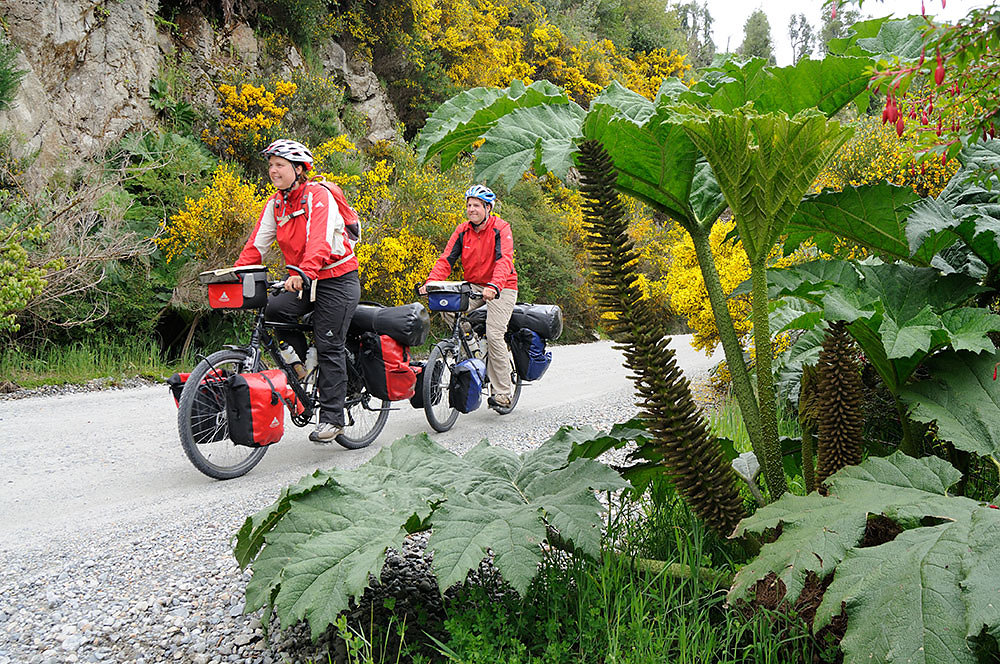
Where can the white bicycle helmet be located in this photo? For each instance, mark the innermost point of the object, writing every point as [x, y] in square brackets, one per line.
[293, 151]
[482, 193]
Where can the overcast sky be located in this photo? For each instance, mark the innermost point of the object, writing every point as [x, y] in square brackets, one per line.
[730, 15]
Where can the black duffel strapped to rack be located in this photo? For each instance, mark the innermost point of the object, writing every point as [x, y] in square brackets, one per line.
[408, 324]
[543, 319]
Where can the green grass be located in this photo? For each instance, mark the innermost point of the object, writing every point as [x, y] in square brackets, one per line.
[610, 610]
[82, 362]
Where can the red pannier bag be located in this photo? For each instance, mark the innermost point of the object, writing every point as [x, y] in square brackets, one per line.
[385, 364]
[255, 407]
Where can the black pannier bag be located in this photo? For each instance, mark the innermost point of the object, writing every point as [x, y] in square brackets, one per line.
[544, 319]
[465, 391]
[530, 357]
[385, 364]
[408, 324]
[417, 400]
[208, 412]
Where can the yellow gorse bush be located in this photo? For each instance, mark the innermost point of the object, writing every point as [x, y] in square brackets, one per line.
[391, 267]
[876, 153]
[214, 227]
[688, 296]
[490, 43]
[247, 115]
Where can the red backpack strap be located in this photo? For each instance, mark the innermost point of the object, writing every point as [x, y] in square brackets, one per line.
[352, 223]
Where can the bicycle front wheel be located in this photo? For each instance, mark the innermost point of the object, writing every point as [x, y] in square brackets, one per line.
[202, 421]
[437, 377]
[364, 419]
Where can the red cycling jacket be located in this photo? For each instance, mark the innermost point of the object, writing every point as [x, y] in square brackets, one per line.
[315, 228]
[487, 255]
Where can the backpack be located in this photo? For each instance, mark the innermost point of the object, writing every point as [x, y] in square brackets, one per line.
[208, 404]
[530, 357]
[385, 364]
[255, 407]
[465, 391]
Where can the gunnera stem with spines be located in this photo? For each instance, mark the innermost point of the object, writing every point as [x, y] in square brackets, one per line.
[839, 422]
[679, 431]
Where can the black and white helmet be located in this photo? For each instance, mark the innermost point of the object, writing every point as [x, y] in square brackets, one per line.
[293, 151]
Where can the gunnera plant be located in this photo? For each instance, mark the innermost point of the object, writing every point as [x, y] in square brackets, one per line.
[808, 416]
[840, 421]
[680, 432]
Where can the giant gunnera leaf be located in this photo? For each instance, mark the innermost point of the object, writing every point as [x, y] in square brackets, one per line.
[312, 551]
[922, 597]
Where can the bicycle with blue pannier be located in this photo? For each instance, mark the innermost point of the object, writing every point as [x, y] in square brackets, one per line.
[454, 377]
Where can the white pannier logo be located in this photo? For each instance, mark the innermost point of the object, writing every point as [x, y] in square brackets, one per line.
[275, 423]
[443, 302]
[223, 297]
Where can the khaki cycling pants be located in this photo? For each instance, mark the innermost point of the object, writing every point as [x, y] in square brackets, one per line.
[498, 312]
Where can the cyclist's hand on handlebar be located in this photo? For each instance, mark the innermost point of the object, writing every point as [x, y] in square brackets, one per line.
[293, 283]
[489, 294]
[421, 290]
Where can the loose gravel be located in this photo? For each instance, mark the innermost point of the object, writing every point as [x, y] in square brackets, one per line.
[172, 592]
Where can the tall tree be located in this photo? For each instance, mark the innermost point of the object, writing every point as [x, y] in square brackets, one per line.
[800, 33]
[696, 24]
[836, 26]
[757, 37]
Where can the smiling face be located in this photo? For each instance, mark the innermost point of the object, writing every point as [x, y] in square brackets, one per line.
[475, 211]
[282, 172]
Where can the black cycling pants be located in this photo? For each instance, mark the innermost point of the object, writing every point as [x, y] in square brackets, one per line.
[336, 300]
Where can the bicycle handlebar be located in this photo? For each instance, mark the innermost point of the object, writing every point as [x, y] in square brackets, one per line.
[278, 286]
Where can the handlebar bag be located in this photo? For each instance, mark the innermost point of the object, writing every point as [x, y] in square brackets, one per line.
[255, 407]
[447, 301]
[530, 357]
[417, 400]
[208, 408]
[465, 391]
[408, 324]
[385, 364]
[243, 287]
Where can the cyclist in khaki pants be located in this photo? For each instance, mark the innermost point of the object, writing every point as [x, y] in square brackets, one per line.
[485, 246]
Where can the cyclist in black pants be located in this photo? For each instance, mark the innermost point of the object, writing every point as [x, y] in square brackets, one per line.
[316, 230]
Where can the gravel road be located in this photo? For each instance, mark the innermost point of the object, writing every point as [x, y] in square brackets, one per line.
[113, 548]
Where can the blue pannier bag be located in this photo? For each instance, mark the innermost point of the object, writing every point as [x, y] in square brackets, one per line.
[465, 391]
[530, 357]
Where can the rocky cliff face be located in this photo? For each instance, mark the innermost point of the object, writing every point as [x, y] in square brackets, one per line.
[89, 65]
[88, 70]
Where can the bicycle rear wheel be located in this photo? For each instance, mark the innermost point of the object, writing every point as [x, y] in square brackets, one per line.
[364, 419]
[437, 377]
[515, 380]
[202, 421]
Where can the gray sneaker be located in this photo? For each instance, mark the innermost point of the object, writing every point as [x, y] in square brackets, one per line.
[498, 401]
[326, 433]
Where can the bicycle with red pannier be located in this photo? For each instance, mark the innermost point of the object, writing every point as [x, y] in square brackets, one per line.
[231, 407]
